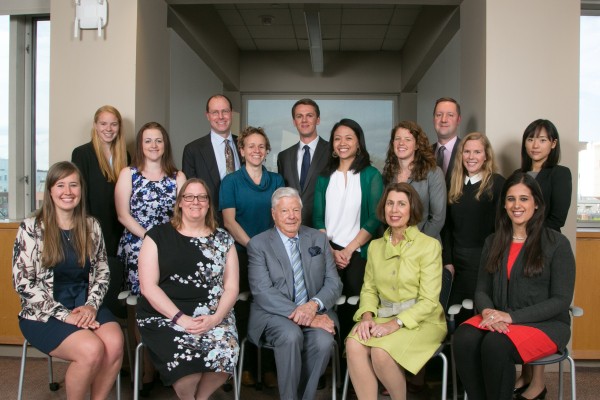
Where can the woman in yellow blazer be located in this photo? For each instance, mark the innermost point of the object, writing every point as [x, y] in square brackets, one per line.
[400, 319]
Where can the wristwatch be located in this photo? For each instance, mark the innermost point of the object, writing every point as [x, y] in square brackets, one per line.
[399, 322]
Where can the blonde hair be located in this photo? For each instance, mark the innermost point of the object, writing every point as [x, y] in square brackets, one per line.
[117, 146]
[459, 171]
[52, 252]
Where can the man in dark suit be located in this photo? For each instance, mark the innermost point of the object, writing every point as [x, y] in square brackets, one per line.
[301, 164]
[295, 285]
[215, 155]
[446, 119]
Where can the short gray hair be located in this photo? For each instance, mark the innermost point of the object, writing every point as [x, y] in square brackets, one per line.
[284, 192]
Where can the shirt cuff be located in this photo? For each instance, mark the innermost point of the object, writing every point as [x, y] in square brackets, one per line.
[319, 302]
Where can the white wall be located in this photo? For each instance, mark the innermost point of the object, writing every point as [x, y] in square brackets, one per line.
[191, 84]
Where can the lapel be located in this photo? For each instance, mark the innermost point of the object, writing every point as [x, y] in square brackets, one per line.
[294, 166]
[281, 255]
[314, 170]
[208, 154]
[305, 243]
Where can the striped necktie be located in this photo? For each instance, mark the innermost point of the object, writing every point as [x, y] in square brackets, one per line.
[300, 294]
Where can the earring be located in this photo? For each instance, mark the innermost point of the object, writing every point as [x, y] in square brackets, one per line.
[334, 154]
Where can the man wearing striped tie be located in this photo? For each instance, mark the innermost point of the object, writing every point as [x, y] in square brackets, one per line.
[294, 285]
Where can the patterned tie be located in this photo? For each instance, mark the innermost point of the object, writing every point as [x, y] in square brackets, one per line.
[305, 166]
[229, 161]
[300, 294]
[440, 158]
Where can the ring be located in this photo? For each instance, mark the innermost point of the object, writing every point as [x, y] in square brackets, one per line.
[379, 335]
[491, 317]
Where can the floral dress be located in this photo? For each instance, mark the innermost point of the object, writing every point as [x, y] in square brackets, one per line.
[191, 275]
[151, 204]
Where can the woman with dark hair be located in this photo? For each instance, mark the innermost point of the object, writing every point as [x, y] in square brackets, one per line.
[346, 197]
[145, 194]
[471, 214]
[540, 154]
[401, 322]
[100, 162]
[189, 279]
[61, 274]
[410, 159]
[524, 290]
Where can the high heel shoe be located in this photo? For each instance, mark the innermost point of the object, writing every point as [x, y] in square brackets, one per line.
[520, 390]
[541, 395]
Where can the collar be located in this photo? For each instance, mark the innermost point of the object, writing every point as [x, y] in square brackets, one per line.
[218, 139]
[285, 238]
[474, 179]
[312, 145]
[449, 145]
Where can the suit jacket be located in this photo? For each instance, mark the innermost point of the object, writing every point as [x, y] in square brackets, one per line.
[199, 161]
[451, 162]
[272, 282]
[541, 301]
[287, 166]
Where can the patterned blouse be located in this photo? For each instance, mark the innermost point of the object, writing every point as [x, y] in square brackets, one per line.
[35, 284]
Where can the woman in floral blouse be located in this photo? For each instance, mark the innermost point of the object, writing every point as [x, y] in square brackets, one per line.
[61, 274]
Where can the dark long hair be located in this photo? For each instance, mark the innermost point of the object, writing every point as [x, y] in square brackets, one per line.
[166, 163]
[362, 159]
[533, 130]
[532, 249]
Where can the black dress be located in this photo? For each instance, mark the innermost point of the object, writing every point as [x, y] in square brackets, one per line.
[70, 289]
[191, 275]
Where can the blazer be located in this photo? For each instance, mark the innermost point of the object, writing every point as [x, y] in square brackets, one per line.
[541, 301]
[35, 283]
[433, 195]
[199, 161]
[99, 195]
[451, 162]
[287, 166]
[271, 277]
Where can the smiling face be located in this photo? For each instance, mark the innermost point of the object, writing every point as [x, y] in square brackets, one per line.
[473, 156]
[446, 120]
[306, 121]
[194, 202]
[345, 143]
[153, 144]
[405, 144]
[107, 127]
[397, 210]
[219, 115]
[66, 192]
[519, 204]
[539, 146]
[255, 149]
[287, 215]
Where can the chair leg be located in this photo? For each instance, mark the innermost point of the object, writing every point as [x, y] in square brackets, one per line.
[444, 374]
[236, 394]
[334, 370]
[139, 354]
[118, 385]
[51, 384]
[573, 382]
[560, 380]
[259, 384]
[346, 382]
[22, 373]
[454, 379]
[240, 367]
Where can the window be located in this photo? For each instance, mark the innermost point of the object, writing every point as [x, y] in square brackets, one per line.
[274, 113]
[4, 171]
[41, 98]
[588, 189]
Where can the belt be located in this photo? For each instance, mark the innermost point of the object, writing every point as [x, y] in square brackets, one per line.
[389, 309]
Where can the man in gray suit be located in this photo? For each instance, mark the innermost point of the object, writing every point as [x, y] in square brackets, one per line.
[303, 162]
[446, 119]
[294, 286]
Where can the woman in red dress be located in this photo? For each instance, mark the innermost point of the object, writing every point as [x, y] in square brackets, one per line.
[524, 289]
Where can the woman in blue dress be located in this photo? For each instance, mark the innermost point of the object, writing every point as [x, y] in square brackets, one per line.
[61, 274]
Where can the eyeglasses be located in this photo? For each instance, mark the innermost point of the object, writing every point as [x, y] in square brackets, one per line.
[216, 114]
[188, 198]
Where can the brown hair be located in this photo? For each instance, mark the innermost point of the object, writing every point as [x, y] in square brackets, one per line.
[423, 162]
[449, 100]
[118, 148]
[166, 163]
[416, 207]
[52, 252]
[251, 130]
[209, 220]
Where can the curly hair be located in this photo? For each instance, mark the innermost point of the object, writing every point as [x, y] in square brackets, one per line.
[423, 162]
[251, 130]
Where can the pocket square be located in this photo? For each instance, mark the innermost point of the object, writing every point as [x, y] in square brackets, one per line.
[314, 251]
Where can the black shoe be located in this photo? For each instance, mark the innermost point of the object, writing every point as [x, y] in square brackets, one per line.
[520, 390]
[146, 389]
[322, 383]
[540, 396]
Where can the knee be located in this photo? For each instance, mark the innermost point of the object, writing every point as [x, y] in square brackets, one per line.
[291, 338]
[92, 353]
[354, 349]
[380, 357]
[463, 339]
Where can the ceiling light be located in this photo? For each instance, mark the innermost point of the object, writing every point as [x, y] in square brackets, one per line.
[315, 42]
[266, 20]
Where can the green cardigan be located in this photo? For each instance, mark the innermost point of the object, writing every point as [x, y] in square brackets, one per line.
[371, 186]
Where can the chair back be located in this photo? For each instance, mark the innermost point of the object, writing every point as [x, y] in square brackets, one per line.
[446, 288]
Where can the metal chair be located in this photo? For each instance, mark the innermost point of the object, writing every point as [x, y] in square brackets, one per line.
[53, 386]
[451, 312]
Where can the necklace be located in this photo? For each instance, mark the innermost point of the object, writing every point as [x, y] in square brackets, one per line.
[66, 235]
[519, 237]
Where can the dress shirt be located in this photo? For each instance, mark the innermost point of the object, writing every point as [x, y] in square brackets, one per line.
[473, 179]
[312, 146]
[448, 153]
[219, 150]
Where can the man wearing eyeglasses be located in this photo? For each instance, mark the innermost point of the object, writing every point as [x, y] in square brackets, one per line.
[213, 156]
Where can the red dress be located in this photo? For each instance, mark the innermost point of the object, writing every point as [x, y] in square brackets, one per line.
[531, 343]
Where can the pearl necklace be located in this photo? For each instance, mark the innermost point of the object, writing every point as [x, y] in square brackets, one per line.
[519, 237]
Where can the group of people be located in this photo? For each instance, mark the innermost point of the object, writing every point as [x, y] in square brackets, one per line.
[328, 223]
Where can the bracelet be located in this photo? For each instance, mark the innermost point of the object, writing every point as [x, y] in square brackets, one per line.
[177, 316]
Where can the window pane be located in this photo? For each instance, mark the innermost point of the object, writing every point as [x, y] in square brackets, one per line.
[4, 54]
[588, 196]
[375, 116]
[42, 107]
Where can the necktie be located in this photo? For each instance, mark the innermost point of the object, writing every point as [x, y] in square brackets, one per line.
[440, 158]
[229, 160]
[300, 294]
[305, 166]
